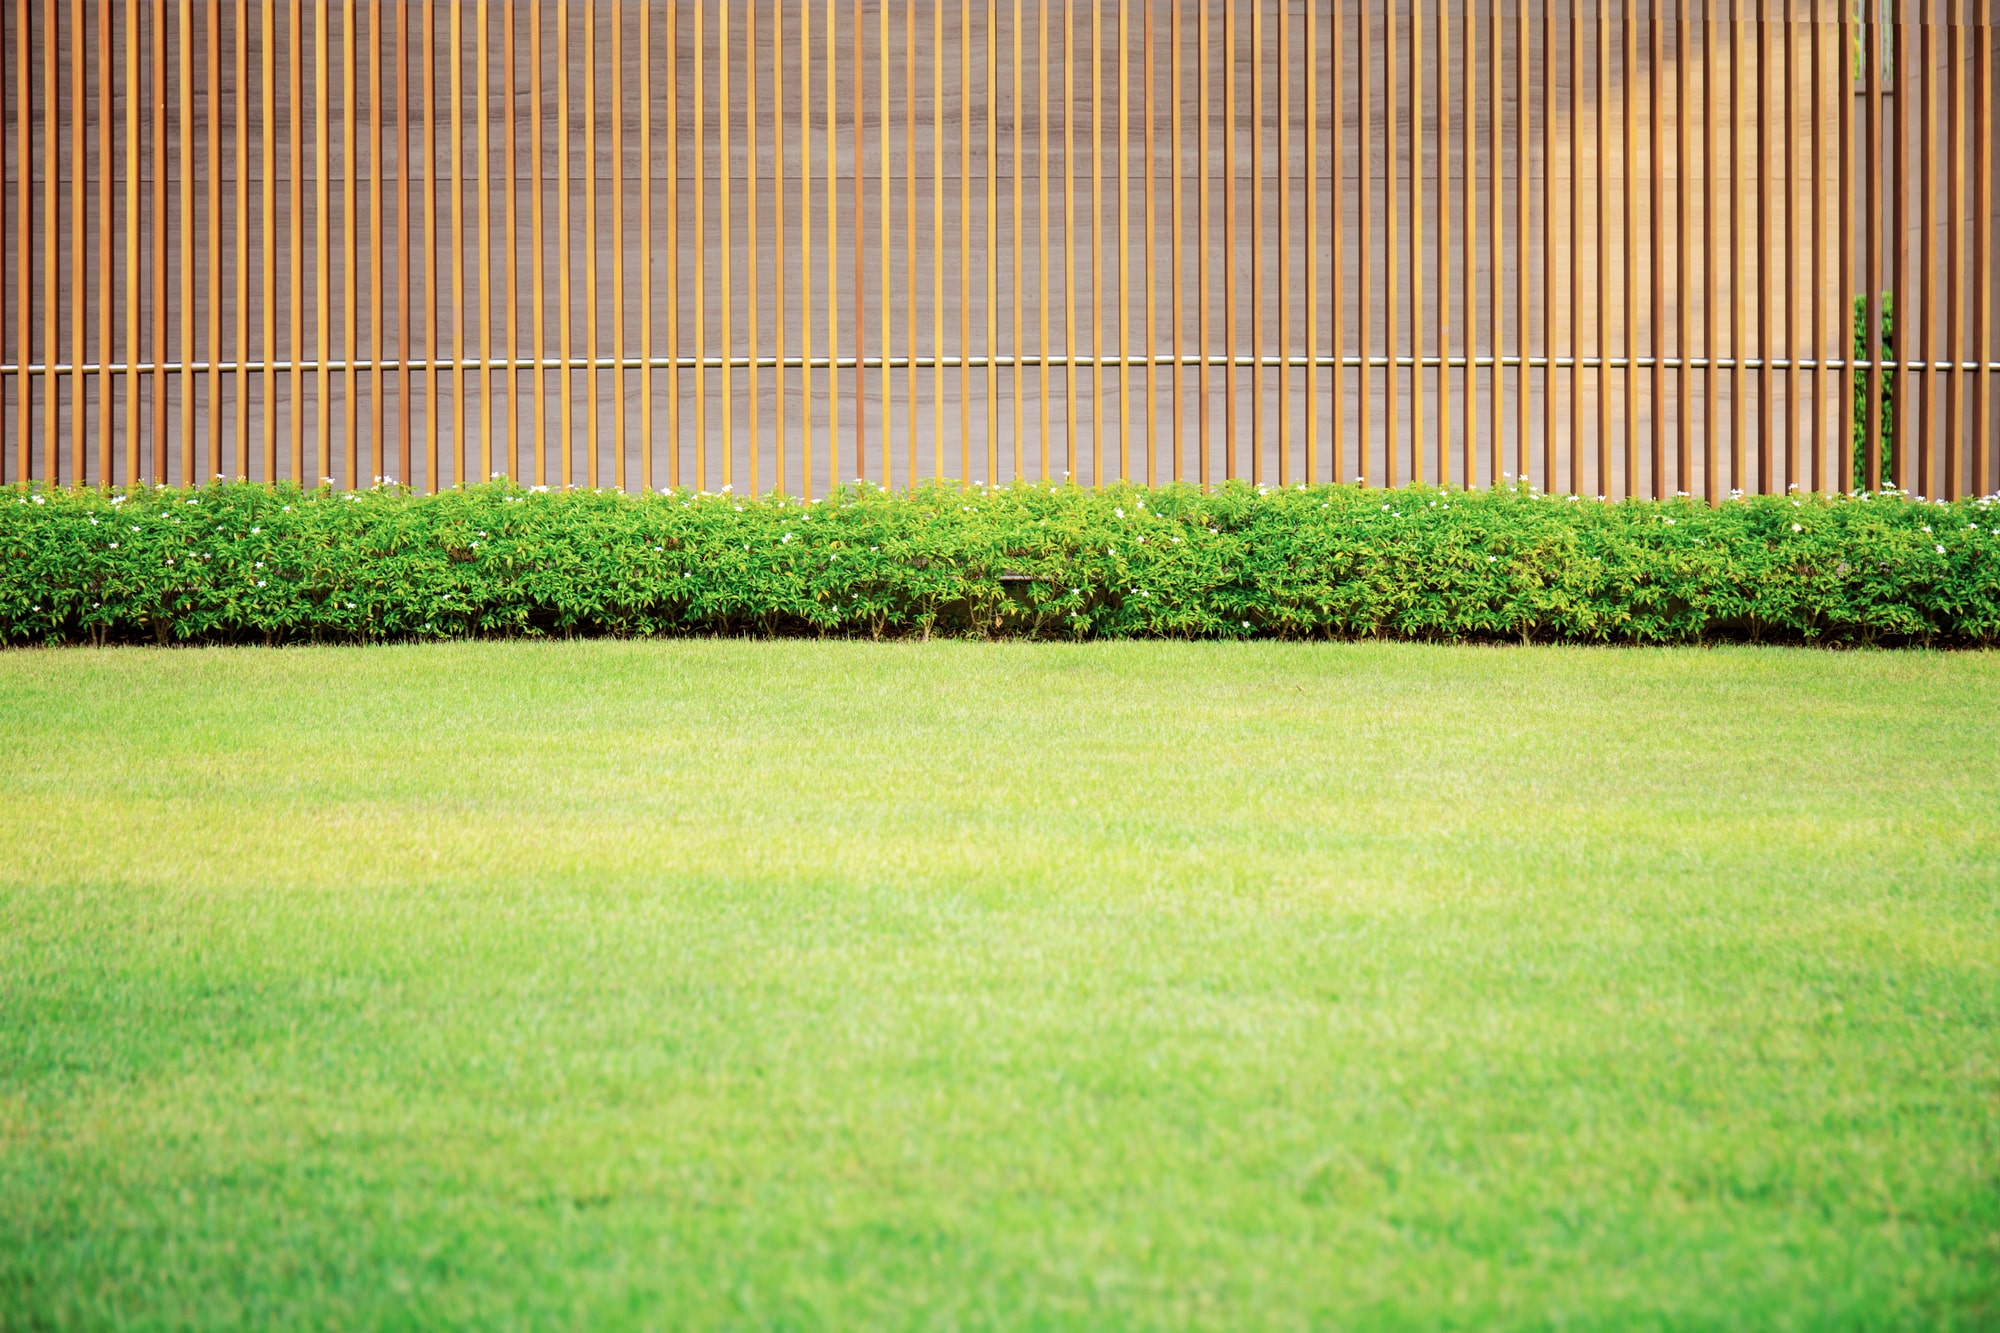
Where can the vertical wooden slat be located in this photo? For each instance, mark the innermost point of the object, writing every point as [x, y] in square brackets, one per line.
[1096, 241]
[1714, 129]
[805, 245]
[1684, 248]
[510, 283]
[1576, 37]
[1014, 185]
[1496, 183]
[593, 440]
[242, 231]
[24, 285]
[833, 244]
[1843, 88]
[1204, 109]
[186, 142]
[1124, 248]
[133, 351]
[404, 242]
[1739, 379]
[1954, 276]
[214, 238]
[1785, 398]
[937, 236]
[1042, 247]
[427, 53]
[1284, 248]
[674, 244]
[1629, 243]
[724, 114]
[700, 254]
[77, 301]
[1312, 247]
[296, 268]
[1468, 179]
[53, 303]
[965, 243]
[565, 253]
[646, 474]
[1769, 237]
[1523, 459]
[501, 379]
[1549, 472]
[1656, 311]
[377, 454]
[1442, 174]
[887, 230]
[1417, 404]
[107, 295]
[992, 240]
[751, 249]
[1229, 191]
[1925, 341]
[349, 120]
[539, 295]
[910, 225]
[617, 16]
[161, 156]
[673, 99]
[79, 247]
[1150, 189]
[1392, 243]
[1364, 140]
[1908, 419]
[1982, 271]
[1201, 245]
[778, 231]
[1815, 342]
[858, 83]
[1256, 240]
[21, 355]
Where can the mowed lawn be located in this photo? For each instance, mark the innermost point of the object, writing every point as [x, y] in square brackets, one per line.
[835, 985]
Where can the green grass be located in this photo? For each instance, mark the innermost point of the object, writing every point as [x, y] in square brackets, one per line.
[836, 985]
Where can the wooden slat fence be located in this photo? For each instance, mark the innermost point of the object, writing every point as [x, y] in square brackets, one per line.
[1611, 247]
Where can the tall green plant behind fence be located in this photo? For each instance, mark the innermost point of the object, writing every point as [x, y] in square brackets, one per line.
[1887, 433]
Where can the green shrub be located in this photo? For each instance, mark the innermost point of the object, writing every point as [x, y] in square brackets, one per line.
[245, 563]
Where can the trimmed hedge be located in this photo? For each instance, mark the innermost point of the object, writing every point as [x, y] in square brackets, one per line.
[237, 562]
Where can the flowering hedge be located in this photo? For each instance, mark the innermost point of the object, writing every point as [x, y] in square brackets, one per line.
[243, 562]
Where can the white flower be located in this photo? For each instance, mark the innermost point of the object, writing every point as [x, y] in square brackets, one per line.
[255, 531]
[40, 501]
[1940, 550]
[1119, 512]
[350, 606]
[1798, 527]
[114, 546]
[260, 583]
[1491, 559]
[260, 564]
